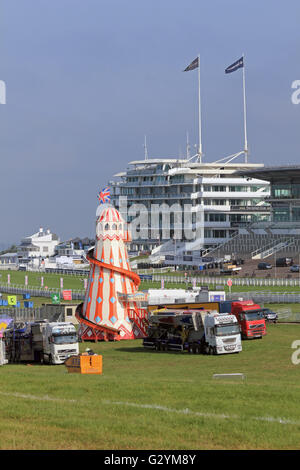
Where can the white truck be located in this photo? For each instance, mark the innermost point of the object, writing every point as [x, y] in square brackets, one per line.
[41, 341]
[198, 332]
[60, 341]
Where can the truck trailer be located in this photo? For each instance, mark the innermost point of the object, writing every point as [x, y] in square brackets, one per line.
[249, 315]
[41, 341]
[198, 332]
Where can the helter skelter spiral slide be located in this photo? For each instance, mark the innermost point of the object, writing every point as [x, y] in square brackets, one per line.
[111, 308]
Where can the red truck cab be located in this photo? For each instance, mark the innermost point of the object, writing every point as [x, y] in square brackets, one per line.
[250, 317]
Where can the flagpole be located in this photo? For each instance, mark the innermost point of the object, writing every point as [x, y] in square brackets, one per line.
[245, 117]
[199, 112]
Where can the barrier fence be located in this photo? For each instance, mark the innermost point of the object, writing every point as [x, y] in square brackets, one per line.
[77, 294]
[49, 312]
[222, 281]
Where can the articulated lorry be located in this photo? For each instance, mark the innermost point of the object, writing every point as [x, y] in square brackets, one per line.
[41, 341]
[249, 315]
[198, 332]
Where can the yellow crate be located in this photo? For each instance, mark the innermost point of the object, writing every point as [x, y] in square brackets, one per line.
[84, 364]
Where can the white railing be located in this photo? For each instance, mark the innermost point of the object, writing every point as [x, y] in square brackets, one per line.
[271, 248]
[222, 281]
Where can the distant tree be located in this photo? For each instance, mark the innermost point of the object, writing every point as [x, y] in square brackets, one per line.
[12, 249]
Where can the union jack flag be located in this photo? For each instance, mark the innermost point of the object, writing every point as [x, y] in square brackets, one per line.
[104, 195]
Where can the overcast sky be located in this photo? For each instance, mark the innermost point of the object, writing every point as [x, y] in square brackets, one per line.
[87, 79]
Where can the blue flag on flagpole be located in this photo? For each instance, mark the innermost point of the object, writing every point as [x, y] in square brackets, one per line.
[236, 65]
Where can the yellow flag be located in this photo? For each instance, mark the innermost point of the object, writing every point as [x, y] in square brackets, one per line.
[12, 299]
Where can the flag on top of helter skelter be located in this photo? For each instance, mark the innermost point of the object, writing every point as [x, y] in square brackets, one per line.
[193, 65]
[235, 66]
[104, 195]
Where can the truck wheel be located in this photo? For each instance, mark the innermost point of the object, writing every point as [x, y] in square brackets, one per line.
[50, 360]
[210, 351]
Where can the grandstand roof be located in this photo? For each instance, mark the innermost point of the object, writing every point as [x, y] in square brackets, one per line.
[273, 173]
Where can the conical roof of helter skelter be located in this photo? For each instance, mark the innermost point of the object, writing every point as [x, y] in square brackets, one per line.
[102, 207]
[108, 213]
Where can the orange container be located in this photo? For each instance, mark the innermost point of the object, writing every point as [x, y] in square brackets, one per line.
[84, 364]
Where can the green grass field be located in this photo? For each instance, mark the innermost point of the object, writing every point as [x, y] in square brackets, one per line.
[51, 280]
[153, 400]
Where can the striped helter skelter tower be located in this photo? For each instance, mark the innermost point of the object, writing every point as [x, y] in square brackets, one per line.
[110, 277]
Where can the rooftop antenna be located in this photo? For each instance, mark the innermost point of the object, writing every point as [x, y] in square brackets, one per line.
[188, 147]
[246, 150]
[145, 148]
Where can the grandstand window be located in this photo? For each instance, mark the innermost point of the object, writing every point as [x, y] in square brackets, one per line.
[215, 217]
[281, 191]
[296, 191]
[218, 202]
[281, 215]
[219, 233]
[243, 189]
[296, 214]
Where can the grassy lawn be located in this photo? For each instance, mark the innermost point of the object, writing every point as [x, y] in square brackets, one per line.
[51, 280]
[150, 400]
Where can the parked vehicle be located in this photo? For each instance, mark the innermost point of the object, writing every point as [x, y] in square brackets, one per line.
[41, 341]
[230, 269]
[294, 268]
[281, 262]
[270, 316]
[249, 315]
[264, 266]
[195, 331]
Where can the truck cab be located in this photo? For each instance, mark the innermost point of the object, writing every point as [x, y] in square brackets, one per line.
[222, 334]
[250, 317]
[60, 340]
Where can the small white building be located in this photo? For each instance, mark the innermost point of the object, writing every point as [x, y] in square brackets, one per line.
[39, 245]
[9, 261]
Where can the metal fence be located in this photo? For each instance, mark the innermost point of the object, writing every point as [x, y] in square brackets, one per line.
[49, 312]
[222, 281]
[38, 291]
[262, 297]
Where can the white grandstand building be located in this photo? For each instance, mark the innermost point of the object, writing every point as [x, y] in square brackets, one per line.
[219, 199]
